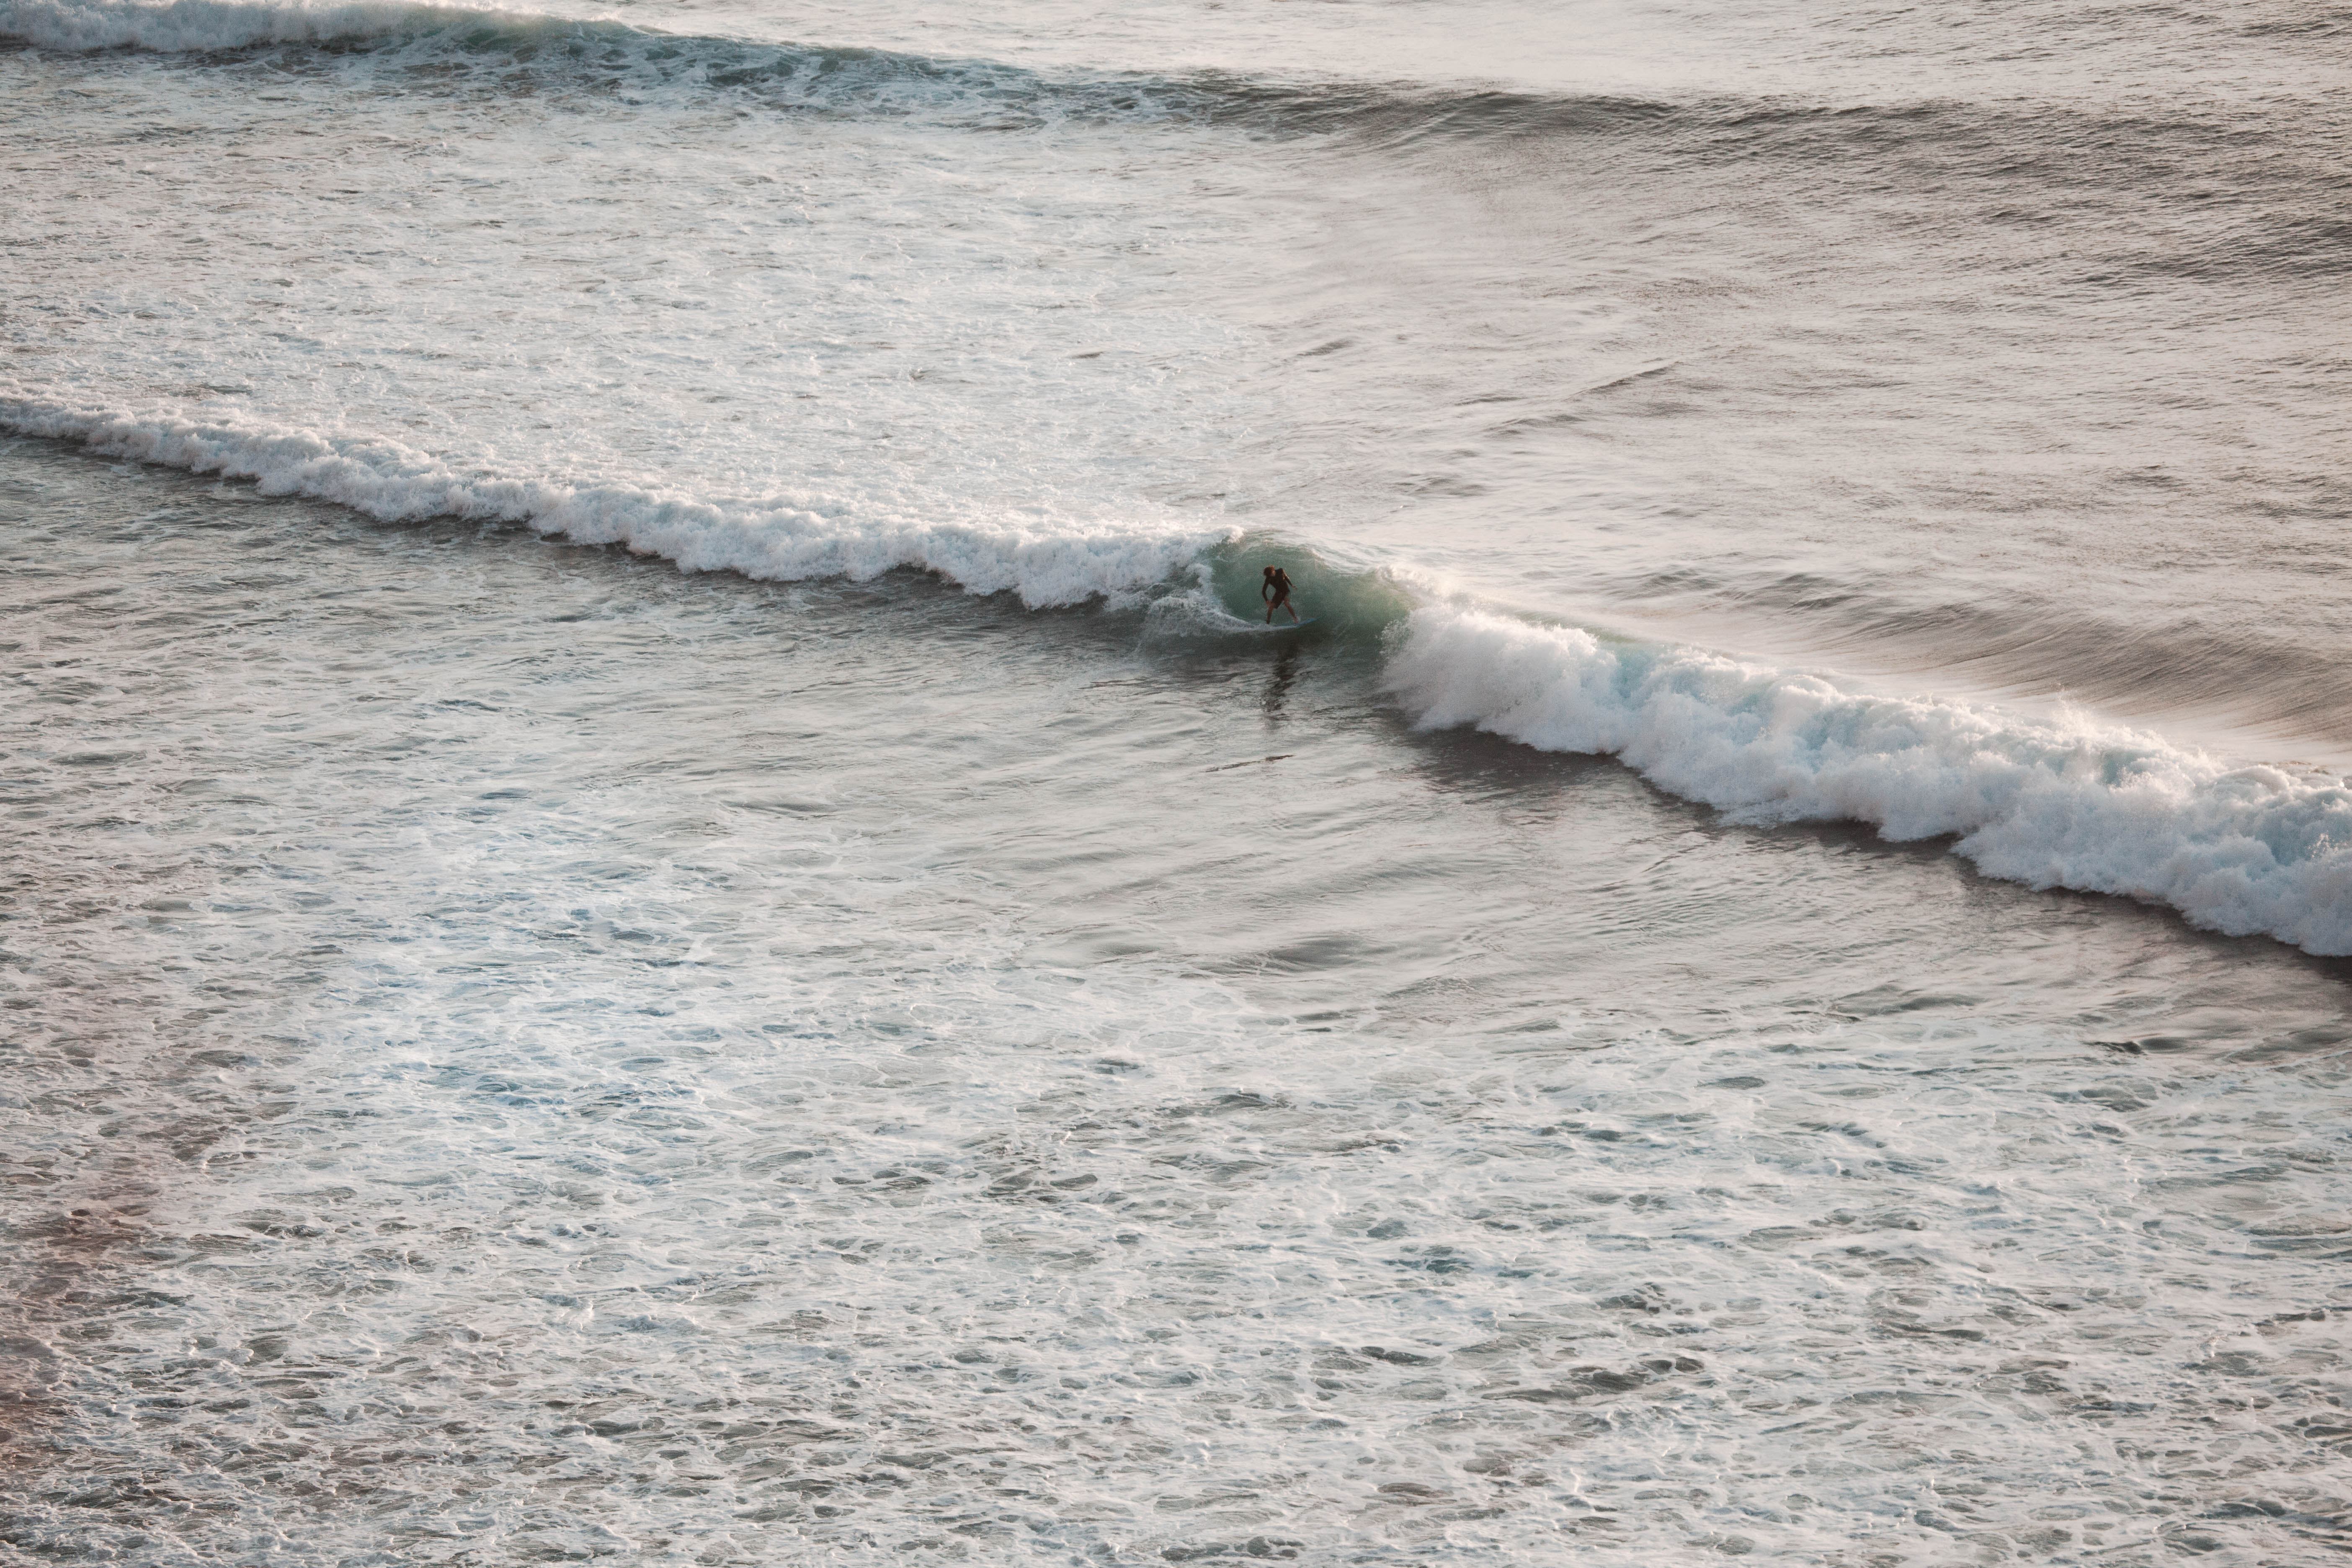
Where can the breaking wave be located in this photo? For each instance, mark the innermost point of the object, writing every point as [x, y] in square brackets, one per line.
[2068, 801]
[1046, 560]
[2065, 802]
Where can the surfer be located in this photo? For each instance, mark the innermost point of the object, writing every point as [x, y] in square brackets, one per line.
[1275, 592]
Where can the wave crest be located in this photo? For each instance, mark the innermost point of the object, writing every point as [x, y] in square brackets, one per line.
[1055, 561]
[185, 25]
[2241, 850]
[2049, 803]
[810, 78]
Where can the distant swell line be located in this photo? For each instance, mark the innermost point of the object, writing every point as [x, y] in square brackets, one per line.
[1064, 562]
[2244, 850]
[1945, 139]
[2281, 176]
[186, 25]
[811, 77]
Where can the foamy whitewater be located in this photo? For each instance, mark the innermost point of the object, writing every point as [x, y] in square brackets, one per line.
[670, 900]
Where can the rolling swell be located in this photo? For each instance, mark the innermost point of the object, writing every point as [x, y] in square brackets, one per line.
[456, 43]
[2257, 178]
[2238, 666]
[2070, 803]
[875, 82]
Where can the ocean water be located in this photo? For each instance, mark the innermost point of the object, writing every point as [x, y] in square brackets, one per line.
[665, 901]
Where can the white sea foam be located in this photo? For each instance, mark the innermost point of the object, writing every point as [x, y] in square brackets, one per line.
[186, 25]
[1045, 558]
[812, 1096]
[2049, 803]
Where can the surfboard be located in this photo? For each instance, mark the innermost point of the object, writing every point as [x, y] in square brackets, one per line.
[1293, 626]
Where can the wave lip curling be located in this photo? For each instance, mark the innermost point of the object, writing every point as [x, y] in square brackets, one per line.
[2243, 850]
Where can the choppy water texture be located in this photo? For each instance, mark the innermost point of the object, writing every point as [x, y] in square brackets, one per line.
[1760, 987]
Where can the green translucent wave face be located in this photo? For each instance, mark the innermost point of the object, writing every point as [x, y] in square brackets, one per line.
[1355, 604]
